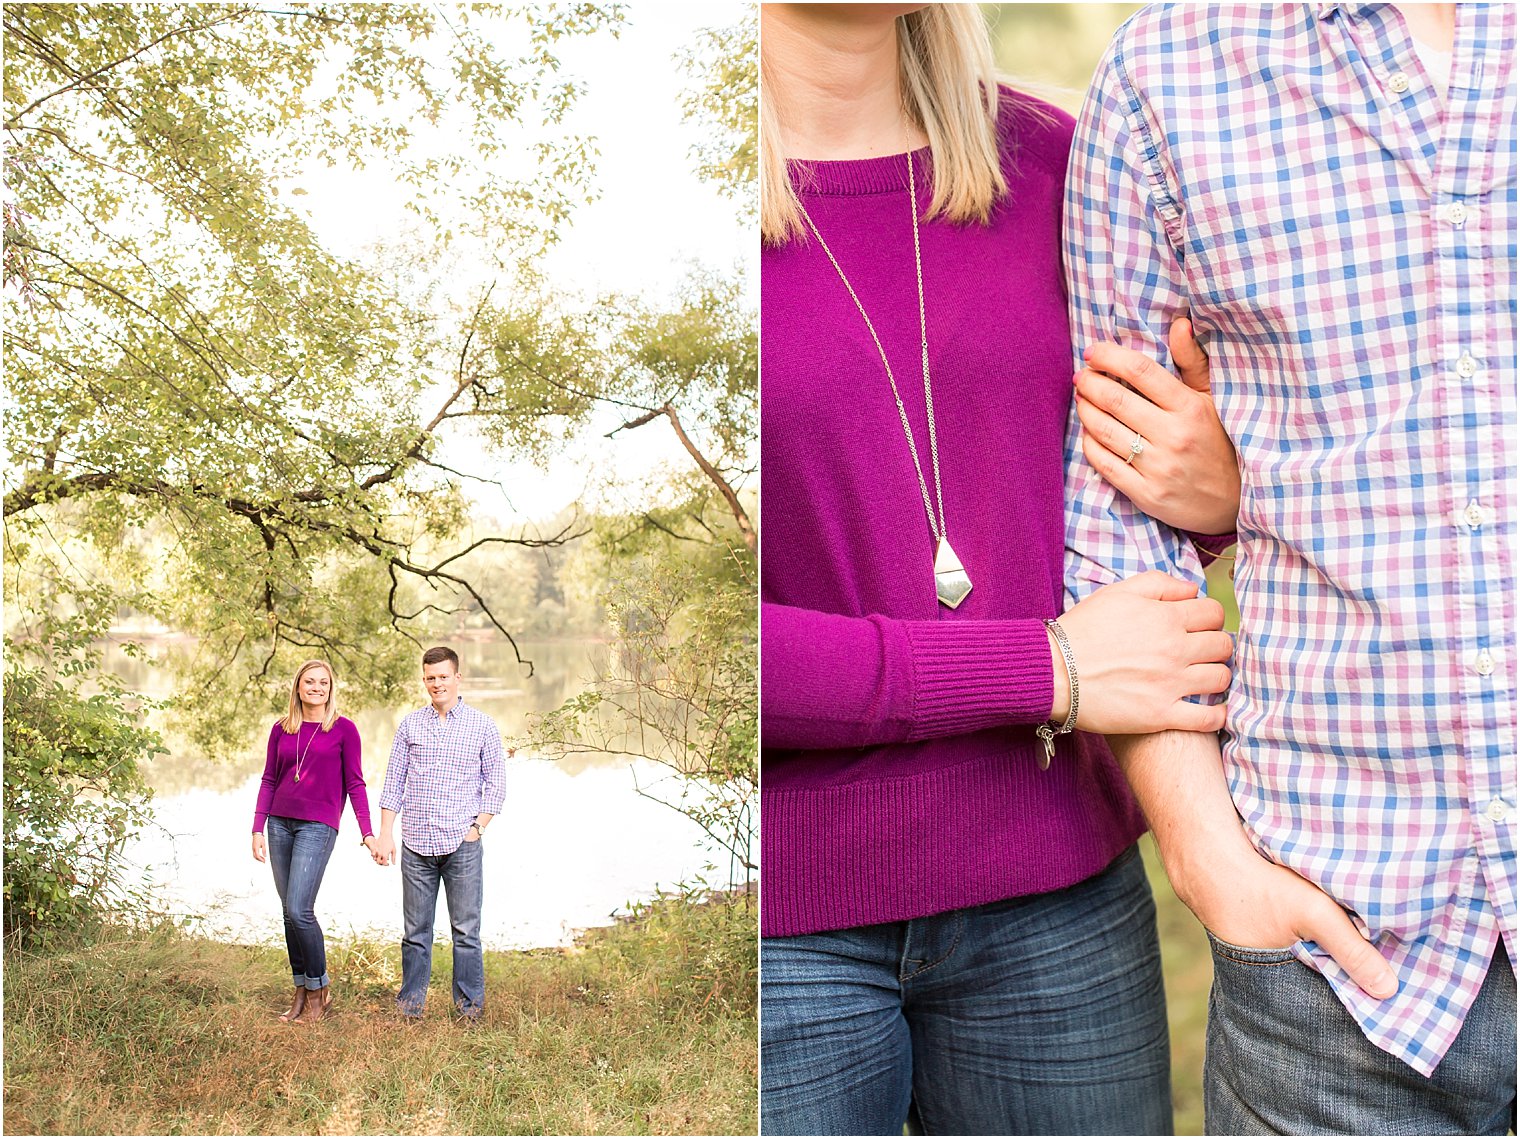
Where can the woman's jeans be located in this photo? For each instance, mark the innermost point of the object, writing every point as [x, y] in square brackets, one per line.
[460, 875]
[298, 852]
[1284, 1057]
[1042, 1015]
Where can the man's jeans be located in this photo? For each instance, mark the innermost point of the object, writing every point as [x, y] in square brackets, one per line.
[460, 873]
[1284, 1057]
[298, 854]
[1042, 1015]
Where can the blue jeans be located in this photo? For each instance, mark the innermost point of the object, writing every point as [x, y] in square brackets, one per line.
[298, 853]
[460, 873]
[1041, 1015]
[1284, 1057]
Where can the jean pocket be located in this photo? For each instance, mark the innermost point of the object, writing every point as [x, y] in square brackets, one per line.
[1248, 955]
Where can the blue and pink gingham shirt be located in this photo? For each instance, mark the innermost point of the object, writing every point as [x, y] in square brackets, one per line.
[443, 771]
[1342, 227]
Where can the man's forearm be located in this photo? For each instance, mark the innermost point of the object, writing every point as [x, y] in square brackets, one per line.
[387, 821]
[1236, 893]
[1178, 779]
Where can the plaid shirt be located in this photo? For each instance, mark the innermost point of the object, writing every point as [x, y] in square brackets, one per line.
[1344, 234]
[443, 771]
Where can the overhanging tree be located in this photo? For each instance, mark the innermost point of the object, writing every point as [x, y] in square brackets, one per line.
[186, 356]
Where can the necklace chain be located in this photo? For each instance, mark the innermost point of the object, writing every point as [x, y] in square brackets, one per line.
[301, 755]
[937, 527]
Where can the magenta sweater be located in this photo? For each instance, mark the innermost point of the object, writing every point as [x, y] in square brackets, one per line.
[900, 768]
[330, 770]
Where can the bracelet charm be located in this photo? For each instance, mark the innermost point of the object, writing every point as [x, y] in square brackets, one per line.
[1049, 730]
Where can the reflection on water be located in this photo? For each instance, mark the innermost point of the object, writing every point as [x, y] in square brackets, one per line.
[574, 844]
[566, 852]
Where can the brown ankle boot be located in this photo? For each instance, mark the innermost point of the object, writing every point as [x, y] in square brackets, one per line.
[297, 1003]
[318, 1005]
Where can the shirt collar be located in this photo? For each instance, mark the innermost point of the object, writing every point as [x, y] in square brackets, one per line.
[454, 711]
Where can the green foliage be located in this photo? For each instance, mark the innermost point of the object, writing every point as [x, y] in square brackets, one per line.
[218, 421]
[73, 798]
[682, 689]
[724, 61]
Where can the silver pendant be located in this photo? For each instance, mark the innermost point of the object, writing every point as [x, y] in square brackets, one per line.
[951, 584]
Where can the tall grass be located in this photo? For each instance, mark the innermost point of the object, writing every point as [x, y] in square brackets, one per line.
[645, 1028]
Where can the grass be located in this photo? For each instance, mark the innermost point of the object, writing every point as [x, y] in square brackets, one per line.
[1189, 970]
[648, 1027]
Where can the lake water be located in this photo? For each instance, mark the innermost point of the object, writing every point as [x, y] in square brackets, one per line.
[575, 843]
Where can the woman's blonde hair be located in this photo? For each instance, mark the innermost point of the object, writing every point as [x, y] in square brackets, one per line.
[293, 717]
[949, 88]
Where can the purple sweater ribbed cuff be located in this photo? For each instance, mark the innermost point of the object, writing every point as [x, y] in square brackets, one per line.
[970, 675]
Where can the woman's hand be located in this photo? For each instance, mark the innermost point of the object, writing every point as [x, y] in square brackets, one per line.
[1142, 645]
[258, 846]
[372, 846]
[1187, 475]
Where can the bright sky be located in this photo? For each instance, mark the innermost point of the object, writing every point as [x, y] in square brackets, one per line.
[653, 221]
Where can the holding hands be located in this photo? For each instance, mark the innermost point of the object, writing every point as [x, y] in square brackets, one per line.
[1184, 472]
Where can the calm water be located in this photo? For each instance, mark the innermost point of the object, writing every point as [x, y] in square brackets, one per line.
[574, 844]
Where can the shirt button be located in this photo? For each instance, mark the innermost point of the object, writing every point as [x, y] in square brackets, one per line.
[1483, 663]
[1467, 367]
[1456, 213]
[1498, 810]
[1398, 83]
[1473, 515]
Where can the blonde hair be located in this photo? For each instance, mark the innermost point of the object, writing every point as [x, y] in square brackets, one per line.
[949, 88]
[295, 714]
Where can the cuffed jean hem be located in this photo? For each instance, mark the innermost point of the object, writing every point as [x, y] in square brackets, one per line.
[311, 983]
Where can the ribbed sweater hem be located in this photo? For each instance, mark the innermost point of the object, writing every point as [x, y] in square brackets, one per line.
[965, 834]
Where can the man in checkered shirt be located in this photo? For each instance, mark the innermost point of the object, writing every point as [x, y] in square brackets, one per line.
[1330, 191]
[446, 779]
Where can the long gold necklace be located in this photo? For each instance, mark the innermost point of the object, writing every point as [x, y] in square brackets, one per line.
[951, 582]
[301, 754]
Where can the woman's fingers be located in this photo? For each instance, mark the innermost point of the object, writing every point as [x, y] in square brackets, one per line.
[1202, 614]
[1185, 716]
[1142, 373]
[1188, 356]
[1119, 413]
[1206, 679]
[1111, 469]
[1215, 647]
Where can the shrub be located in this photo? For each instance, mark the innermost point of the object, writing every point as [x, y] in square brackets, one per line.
[74, 797]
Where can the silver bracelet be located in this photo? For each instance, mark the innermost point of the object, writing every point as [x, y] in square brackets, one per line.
[1049, 730]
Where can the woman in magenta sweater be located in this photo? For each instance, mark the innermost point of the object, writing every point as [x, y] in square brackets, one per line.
[312, 764]
[957, 927]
